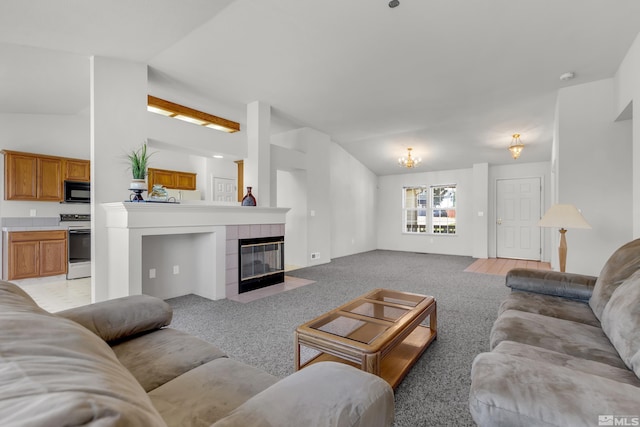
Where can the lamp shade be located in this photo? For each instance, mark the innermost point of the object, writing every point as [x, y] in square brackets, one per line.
[563, 216]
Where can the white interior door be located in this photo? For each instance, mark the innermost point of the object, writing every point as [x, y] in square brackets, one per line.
[224, 190]
[517, 215]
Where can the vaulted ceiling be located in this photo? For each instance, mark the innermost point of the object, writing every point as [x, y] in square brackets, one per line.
[451, 78]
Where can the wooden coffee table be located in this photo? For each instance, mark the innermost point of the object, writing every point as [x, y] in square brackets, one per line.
[379, 332]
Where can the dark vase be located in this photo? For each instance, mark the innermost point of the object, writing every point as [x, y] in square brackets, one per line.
[249, 200]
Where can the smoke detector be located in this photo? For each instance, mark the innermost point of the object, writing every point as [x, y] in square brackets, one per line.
[567, 76]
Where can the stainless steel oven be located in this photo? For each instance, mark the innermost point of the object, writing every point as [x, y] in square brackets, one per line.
[79, 244]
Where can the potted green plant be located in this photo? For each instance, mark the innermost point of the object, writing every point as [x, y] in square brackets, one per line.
[139, 160]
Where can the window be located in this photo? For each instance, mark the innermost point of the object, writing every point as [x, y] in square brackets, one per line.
[429, 210]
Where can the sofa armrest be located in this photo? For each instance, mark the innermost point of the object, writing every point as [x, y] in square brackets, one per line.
[324, 394]
[122, 317]
[566, 285]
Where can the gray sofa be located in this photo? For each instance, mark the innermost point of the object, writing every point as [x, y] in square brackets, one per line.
[116, 363]
[565, 349]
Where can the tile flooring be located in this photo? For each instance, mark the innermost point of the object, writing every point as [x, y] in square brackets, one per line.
[58, 295]
[289, 283]
[500, 266]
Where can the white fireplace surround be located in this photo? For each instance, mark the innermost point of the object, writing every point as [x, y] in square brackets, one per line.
[127, 223]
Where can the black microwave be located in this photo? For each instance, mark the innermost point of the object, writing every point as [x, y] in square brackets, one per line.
[77, 192]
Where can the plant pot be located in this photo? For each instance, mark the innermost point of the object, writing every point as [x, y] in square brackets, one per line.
[137, 186]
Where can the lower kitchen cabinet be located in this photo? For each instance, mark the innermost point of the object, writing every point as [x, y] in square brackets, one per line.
[36, 254]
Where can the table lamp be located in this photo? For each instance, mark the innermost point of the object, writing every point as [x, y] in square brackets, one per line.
[563, 217]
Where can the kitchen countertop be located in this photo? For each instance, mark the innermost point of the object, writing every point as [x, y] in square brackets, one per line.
[35, 228]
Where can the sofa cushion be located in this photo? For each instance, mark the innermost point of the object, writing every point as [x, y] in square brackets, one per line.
[209, 392]
[164, 354]
[621, 321]
[572, 338]
[560, 359]
[508, 390]
[551, 306]
[55, 372]
[622, 264]
[121, 317]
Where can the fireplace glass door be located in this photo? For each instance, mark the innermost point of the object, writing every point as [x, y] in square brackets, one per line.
[261, 262]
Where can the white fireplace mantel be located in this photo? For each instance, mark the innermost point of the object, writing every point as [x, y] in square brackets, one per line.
[127, 223]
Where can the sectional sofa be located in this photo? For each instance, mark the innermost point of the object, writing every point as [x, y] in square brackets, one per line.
[565, 349]
[116, 363]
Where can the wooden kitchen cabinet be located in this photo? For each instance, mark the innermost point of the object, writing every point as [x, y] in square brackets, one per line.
[185, 181]
[77, 170]
[160, 177]
[32, 177]
[49, 179]
[20, 176]
[171, 179]
[36, 254]
[24, 260]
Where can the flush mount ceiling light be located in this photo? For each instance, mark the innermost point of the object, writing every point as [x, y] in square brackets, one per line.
[177, 111]
[394, 3]
[409, 162]
[516, 146]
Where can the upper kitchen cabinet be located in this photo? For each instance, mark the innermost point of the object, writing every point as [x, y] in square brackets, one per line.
[77, 170]
[185, 181]
[32, 177]
[39, 177]
[49, 186]
[171, 179]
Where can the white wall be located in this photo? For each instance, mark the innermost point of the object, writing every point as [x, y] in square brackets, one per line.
[305, 150]
[292, 194]
[390, 235]
[56, 135]
[595, 172]
[354, 198]
[480, 210]
[627, 92]
[318, 195]
[164, 252]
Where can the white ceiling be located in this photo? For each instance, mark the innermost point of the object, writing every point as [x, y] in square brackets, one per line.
[451, 78]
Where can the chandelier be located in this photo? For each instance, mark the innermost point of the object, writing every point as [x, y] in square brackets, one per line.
[409, 162]
[516, 146]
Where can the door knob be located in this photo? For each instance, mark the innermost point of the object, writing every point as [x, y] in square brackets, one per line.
[499, 221]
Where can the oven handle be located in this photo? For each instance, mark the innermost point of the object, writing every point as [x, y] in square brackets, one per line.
[79, 231]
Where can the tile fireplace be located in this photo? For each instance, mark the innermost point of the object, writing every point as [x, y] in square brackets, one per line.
[214, 229]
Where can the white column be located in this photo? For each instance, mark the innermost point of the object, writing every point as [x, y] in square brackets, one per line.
[257, 165]
[480, 210]
[118, 125]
